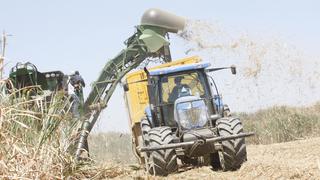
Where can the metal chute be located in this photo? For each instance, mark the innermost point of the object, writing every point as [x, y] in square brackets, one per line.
[156, 17]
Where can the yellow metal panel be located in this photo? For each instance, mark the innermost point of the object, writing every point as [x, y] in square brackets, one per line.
[137, 97]
[188, 60]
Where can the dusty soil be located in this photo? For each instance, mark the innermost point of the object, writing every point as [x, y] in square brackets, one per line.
[292, 160]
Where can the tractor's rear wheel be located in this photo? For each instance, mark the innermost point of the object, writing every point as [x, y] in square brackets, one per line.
[161, 162]
[234, 151]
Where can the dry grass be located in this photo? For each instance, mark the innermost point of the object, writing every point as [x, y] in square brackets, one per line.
[30, 136]
[36, 139]
[282, 124]
[111, 147]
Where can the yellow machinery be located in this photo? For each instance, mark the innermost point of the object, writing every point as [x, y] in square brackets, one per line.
[136, 97]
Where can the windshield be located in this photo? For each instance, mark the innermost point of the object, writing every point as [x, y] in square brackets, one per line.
[178, 85]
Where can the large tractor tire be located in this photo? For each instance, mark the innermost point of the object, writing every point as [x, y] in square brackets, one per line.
[234, 151]
[145, 128]
[142, 141]
[161, 162]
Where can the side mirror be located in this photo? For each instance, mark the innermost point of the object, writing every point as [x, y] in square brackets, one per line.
[233, 69]
[126, 87]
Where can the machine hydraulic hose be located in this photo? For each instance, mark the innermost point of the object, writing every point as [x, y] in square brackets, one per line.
[149, 41]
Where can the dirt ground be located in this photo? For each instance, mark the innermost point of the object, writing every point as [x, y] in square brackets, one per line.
[292, 160]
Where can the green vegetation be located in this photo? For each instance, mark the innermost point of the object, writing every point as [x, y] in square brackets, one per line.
[282, 123]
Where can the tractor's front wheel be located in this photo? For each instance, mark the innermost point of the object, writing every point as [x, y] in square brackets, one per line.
[161, 162]
[143, 140]
[234, 151]
[145, 128]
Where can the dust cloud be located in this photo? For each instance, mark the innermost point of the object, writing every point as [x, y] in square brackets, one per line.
[270, 70]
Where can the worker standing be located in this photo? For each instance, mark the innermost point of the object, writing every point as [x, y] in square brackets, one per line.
[77, 83]
[76, 79]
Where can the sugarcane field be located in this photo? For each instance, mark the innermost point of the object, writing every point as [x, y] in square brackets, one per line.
[159, 90]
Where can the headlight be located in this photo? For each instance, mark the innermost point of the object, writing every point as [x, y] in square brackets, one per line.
[192, 114]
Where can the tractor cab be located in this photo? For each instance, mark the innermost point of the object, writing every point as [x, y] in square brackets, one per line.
[182, 96]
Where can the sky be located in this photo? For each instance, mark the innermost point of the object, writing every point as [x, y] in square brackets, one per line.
[84, 35]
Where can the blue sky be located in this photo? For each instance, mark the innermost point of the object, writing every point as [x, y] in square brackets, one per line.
[83, 35]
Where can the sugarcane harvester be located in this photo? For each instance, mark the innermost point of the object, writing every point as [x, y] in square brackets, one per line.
[149, 41]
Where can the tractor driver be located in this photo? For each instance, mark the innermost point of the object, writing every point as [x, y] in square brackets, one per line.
[179, 90]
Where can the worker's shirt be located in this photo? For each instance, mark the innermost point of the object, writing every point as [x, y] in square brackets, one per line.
[77, 79]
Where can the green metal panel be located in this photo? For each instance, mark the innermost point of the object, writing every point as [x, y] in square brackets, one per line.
[153, 41]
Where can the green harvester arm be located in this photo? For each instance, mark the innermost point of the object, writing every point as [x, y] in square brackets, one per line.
[149, 41]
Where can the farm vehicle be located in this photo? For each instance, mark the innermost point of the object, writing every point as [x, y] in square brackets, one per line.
[25, 81]
[26, 77]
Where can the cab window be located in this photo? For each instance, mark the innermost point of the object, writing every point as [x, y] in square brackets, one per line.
[178, 85]
[175, 86]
